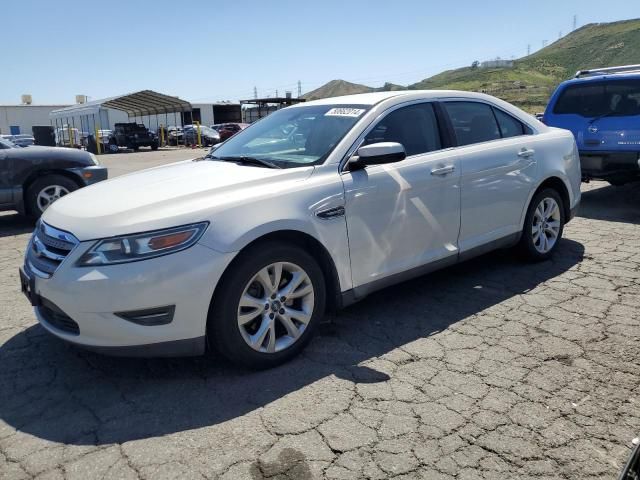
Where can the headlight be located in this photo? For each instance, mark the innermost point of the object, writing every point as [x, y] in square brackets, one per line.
[131, 248]
[94, 159]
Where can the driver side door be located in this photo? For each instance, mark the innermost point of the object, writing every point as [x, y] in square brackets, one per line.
[6, 177]
[403, 218]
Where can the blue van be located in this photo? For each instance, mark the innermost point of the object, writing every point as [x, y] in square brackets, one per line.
[602, 109]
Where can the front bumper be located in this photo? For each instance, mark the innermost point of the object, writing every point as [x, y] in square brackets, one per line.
[609, 164]
[90, 297]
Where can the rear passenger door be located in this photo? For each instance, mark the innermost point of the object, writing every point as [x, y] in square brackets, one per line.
[498, 167]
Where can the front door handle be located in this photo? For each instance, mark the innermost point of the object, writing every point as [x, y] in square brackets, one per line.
[526, 153]
[443, 170]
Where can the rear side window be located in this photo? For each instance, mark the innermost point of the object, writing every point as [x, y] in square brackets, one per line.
[614, 98]
[415, 127]
[473, 122]
[509, 126]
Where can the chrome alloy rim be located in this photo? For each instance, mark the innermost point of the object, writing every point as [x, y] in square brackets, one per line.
[275, 307]
[50, 194]
[546, 225]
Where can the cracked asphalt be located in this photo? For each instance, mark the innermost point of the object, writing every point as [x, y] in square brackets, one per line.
[492, 369]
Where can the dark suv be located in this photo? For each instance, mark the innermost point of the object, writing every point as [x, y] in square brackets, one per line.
[32, 178]
[602, 109]
[132, 135]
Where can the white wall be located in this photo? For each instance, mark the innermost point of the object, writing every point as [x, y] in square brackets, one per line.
[206, 113]
[25, 117]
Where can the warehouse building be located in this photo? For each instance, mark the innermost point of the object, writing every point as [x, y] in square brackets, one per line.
[19, 119]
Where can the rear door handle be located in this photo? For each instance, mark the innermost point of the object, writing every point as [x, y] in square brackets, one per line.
[526, 153]
[443, 170]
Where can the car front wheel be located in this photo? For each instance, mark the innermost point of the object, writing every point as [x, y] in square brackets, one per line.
[543, 225]
[267, 306]
[46, 190]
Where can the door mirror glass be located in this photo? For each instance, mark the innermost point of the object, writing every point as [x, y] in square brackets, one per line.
[376, 154]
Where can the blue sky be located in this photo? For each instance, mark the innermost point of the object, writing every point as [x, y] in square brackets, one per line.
[217, 50]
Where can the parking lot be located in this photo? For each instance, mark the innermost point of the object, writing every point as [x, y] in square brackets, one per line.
[491, 369]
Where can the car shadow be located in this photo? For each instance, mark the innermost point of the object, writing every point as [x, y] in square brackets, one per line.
[63, 394]
[14, 224]
[613, 204]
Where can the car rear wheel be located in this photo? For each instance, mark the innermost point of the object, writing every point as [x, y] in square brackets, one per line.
[267, 306]
[543, 225]
[46, 190]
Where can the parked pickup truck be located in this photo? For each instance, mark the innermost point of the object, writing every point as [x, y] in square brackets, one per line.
[132, 135]
[601, 107]
[33, 178]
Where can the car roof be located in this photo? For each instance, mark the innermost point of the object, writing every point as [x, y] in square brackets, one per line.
[604, 77]
[400, 95]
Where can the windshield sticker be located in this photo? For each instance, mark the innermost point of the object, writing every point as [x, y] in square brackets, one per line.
[344, 112]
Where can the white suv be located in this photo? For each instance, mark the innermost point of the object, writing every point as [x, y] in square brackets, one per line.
[314, 207]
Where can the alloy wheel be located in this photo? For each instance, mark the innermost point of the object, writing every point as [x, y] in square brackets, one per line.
[275, 307]
[546, 225]
[50, 194]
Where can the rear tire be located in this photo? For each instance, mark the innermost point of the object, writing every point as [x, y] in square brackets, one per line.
[45, 190]
[543, 226]
[266, 331]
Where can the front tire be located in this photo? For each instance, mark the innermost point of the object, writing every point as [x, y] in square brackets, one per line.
[46, 190]
[267, 306]
[543, 225]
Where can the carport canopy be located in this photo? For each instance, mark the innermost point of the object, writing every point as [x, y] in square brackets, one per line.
[144, 102]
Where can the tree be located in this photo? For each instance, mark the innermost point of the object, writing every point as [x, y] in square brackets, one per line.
[475, 64]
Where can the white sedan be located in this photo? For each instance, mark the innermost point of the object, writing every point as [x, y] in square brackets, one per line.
[313, 207]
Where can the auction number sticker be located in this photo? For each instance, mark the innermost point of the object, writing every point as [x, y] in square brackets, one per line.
[344, 112]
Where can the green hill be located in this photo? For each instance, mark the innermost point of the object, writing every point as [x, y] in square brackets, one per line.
[532, 79]
[335, 88]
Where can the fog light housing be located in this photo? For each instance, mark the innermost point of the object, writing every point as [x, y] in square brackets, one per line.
[149, 316]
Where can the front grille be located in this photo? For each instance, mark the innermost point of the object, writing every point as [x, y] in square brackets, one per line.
[57, 318]
[47, 249]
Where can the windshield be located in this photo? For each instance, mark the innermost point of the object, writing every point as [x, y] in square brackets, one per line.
[613, 98]
[293, 137]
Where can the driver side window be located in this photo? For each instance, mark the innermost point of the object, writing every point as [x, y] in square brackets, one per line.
[414, 126]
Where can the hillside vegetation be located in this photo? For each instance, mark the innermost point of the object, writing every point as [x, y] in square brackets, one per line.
[532, 79]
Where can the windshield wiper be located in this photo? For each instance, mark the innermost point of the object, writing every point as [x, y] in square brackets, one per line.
[595, 119]
[248, 161]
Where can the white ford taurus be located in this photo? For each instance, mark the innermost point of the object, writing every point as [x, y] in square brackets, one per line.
[313, 207]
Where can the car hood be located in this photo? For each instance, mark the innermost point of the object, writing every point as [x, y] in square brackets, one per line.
[36, 152]
[166, 196]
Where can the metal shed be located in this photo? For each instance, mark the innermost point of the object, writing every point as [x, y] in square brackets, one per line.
[102, 114]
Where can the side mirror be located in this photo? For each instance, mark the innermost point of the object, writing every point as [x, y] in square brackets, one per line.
[376, 154]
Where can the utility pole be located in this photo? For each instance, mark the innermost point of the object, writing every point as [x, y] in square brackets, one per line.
[255, 92]
[528, 49]
[575, 21]
[559, 34]
[276, 93]
[299, 88]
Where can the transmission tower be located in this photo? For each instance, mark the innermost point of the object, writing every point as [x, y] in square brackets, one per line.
[528, 50]
[299, 88]
[544, 43]
[255, 92]
[575, 21]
